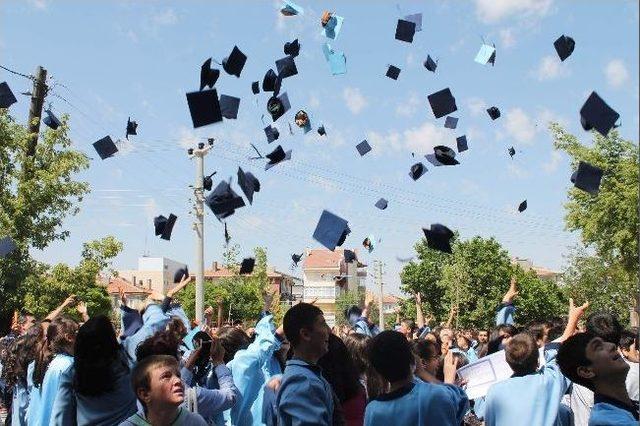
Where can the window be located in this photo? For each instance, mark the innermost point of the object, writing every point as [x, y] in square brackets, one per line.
[320, 292]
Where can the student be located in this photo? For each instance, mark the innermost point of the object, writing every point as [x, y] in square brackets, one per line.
[483, 343]
[629, 349]
[407, 327]
[592, 362]
[357, 344]
[159, 388]
[409, 402]
[359, 320]
[305, 397]
[427, 356]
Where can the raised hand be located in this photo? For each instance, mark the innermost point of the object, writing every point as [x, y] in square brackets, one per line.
[512, 292]
[450, 368]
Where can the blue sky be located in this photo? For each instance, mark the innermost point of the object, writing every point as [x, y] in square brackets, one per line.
[117, 59]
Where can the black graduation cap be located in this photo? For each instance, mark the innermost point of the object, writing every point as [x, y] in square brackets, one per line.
[451, 122]
[405, 30]
[350, 256]
[430, 64]
[564, 46]
[223, 200]
[229, 106]
[286, 67]
[596, 114]
[271, 82]
[163, 226]
[322, 131]
[587, 178]
[363, 147]
[234, 63]
[278, 106]
[493, 112]
[439, 237]
[272, 133]
[255, 87]
[6, 96]
[393, 72]
[417, 170]
[277, 156]
[132, 128]
[180, 274]
[442, 103]
[523, 206]
[51, 120]
[461, 141]
[204, 107]
[292, 48]
[381, 204]
[248, 183]
[105, 147]
[247, 265]
[296, 258]
[331, 230]
[445, 155]
[7, 245]
[208, 76]
[227, 237]
[207, 182]
[512, 152]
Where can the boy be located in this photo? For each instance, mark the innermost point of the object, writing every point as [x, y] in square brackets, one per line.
[305, 397]
[157, 384]
[411, 402]
[629, 349]
[596, 364]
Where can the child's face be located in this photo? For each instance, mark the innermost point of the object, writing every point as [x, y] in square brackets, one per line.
[605, 359]
[166, 387]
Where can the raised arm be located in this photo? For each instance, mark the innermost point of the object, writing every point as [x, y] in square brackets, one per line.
[575, 312]
[53, 314]
[419, 315]
[504, 313]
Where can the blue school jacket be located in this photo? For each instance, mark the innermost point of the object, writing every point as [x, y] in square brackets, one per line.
[609, 412]
[42, 398]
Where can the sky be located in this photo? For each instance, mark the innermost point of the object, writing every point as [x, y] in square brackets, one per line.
[110, 60]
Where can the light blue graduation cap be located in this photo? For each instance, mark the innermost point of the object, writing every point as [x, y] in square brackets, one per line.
[487, 54]
[416, 18]
[289, 8]
[337, 61]
[333, 27]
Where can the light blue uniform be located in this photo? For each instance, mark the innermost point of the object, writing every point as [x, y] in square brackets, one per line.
[19, 405]
[42, 398]
[609, 412]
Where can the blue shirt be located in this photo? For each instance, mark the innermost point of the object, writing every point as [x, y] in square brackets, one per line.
[504, 314]
[419, 403]
[42, 398]
[608, 411]
[212, 402]
[153, 320]
[19, 405]
[304, 397]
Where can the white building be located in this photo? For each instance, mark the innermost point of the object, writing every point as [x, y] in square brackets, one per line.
[153, 273]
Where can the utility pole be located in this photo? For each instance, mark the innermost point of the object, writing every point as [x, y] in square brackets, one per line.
[378, 276]
[198, 224]
[35, 110]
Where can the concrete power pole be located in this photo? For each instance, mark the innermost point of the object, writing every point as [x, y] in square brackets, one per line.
[198, 224]
[379, 272]
[35, 109]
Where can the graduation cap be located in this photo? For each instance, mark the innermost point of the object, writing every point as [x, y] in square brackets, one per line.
[369, 243]
[493, 112]
[208, 76]
[271, 82]
[321, 130]
[229, 106]
[207, 182]
[248, 183]
[393, 72]
[587, 178]
[417, 170]
[331, 230]
[451, 122]
[350, 256]
[234, 63]
[180, 274]
[163, 226]
[6, 96]
[445, 155]
[430, 64]
[255, 87]
[331, 25]
[105, 147]
[442, 103]
[512, 152]
[278, 155]
[272, 133]
[381, 204]
[227, 237]
[296, 258]
[439, 237]
[461, 141]
[132, 128]
[337, 60]
[292, 48]
[523, 206]
[278, 106]
[204, 107]
[247, 265]
[564, 46]
[223, 200]
[486, 55]
[51, 120]
[405, 30]
[363, 147]
[286, 67]
[289, 8]
[596, 114]
[7, 245]
[416, 18]
[302, 119]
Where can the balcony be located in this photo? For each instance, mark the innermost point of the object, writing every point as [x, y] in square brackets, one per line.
[320, 293]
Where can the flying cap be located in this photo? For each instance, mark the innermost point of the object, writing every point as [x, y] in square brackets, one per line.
[363, 147]
[461, 141]
[417, 170]
[331, 230]
[292, 48]
[486, 55]
[286, 67]
[381, 204]
[430, 64]
[105, 147]
[180, 274]
[451, 122]
[277, 156]
[272, 133]
[296, 258]
[439, 237]
[278, 106]
[523, 206]
[247, 265]
[248, 183]
[271, 82]
[564, 46]
[208, 76]
[234, 63]
[289, 8]
[207, 182]
[442, 103]
[132, 128]
[321, 130]
[229, 106]
[393, 72]
[512, 151]
[587, 178]
[332, 28]
[369, 243]
[405, 30]
[6, 96]
[204, 107]
[350, 256]
[164, 226]
[51, 120]
[255, 87]
[7, 245]
[337, 60]
[445, 155]
[223, 200]
[493, 112]
[416, 18]
[596, 114]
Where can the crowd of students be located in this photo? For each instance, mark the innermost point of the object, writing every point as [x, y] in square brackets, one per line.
[162, 369]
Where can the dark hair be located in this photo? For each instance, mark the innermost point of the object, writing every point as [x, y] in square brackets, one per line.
[96, 349]
[538, 329]
[410, 324]
[425, 349]
[605, 325]
[391, 355]
[358, 346]
[628, 337]
[300, 316]
[177, 327]
[339, 370]
[59, 339]
[140, 377]
[19, 354]
[232, 340]
[573, 354]
[495, 340]
[509, 329]
[521, 353]
[161, 343]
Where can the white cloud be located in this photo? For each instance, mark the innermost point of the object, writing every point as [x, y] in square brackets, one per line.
[517, 171]
[378, 142]
[477, 106]
[551, 68]
[492, 11]
[151, 208]
[166, 17]
[187, 138]
[354, 99]
[507, 38]
[38, 4]
[520, 126]
[422, 139]
[314, 100]
[552, 165]
[409, 107]
[616, 73]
